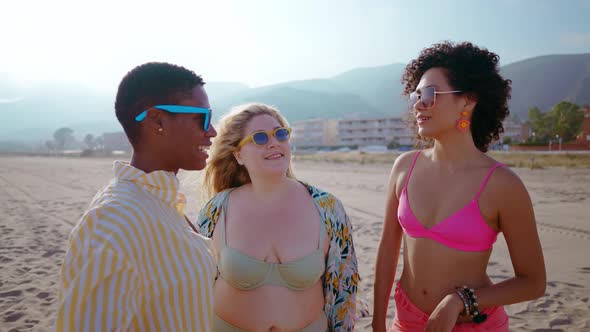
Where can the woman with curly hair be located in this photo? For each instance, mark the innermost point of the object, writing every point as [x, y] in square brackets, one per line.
[286, 261]
[448, 202]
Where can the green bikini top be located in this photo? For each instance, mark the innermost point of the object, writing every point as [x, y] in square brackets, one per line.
[245, 272]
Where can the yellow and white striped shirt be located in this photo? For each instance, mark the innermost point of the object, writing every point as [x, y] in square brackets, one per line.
[134, 264]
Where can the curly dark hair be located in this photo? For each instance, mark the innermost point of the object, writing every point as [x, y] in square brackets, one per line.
[151, 84]
[474, 71]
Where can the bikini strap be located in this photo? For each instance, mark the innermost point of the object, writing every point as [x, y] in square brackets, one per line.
[485, 181]
[222, 217]
[322, 231]
[411, 169]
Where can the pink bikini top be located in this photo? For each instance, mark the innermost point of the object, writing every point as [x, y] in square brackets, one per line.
[464, 230]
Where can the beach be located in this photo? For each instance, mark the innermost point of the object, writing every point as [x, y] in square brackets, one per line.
[42, 198]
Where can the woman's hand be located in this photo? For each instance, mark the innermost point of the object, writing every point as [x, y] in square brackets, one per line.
[444, 317]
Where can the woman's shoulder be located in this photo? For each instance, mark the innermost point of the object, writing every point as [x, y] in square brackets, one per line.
[408, 156]
[404, 161]
[218, 198]
[500, 173]
[212, 208]
[401, 167]
[328, 203]
[209, 214]
[504, 177]
[499, 177]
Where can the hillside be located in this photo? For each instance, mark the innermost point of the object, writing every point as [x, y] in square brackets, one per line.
[31, 113]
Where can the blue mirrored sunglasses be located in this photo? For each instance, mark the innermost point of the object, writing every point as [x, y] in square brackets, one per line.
[181, 109]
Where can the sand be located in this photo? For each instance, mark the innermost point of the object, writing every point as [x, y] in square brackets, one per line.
[42, 198]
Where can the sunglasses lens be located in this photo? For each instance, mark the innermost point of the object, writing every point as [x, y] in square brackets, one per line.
[207, 122]
[260, 138]
[413, 99]
[282, 134]
[427, 97]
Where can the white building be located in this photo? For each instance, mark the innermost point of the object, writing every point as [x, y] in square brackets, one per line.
[375, 131]
[515, 130]
[315, 133]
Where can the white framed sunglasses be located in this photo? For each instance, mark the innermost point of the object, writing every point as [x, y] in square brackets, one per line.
[427, 97]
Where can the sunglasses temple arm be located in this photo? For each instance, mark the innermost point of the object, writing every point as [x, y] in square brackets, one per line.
[141, 116]
[445, 92]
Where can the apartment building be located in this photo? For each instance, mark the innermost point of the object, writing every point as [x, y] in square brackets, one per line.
[515, 130]
[375, 131]
[315, 133]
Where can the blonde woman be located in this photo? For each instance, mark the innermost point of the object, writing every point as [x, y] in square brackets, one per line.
[286, 260]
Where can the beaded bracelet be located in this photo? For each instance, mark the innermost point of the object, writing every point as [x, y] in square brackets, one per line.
[476, 316]
[465, 312]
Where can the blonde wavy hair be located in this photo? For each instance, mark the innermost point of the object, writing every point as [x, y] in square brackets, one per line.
[223, 171]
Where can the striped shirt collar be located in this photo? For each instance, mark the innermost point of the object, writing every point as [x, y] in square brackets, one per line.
[162, 184]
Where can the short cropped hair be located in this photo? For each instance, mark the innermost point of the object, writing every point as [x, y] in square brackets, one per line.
[150, 84]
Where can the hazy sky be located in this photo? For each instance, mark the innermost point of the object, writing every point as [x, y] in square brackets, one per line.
[262, 42]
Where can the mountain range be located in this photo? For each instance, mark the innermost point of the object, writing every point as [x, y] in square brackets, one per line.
[33, 113]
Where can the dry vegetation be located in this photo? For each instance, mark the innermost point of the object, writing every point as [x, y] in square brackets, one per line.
[513, 159]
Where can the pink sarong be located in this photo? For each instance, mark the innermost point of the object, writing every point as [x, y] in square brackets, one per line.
[409, 318]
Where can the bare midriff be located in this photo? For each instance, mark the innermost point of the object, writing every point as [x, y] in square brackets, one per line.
[268, 308]
[432, 270]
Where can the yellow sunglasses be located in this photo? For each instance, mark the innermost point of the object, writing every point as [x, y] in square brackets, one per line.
[261, 137]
